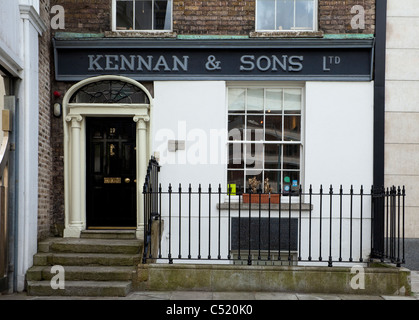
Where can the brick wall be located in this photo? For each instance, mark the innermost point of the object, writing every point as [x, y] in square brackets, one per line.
[234, 17]
[335, 16]
[45, 212]
[90, 16]
[231, 17]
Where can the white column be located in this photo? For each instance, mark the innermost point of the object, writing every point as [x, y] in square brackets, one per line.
[141, 170]
[75, 223]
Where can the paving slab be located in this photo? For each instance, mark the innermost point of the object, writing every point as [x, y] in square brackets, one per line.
[275, 296]
[314, 296]
[149, 295]
[233, 296]
[398, 298]
[198, 295]
[359, 297]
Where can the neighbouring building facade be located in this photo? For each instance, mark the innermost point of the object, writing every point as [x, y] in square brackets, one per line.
[25, 158]
[219, 93]
[401, 139]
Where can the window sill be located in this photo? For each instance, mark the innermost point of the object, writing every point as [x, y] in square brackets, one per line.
[140, 34]
[264, 206]
[286, 34]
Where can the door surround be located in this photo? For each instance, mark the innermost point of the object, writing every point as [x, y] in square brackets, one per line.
[74, 116]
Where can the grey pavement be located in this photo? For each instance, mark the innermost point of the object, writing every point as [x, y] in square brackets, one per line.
[225, 296]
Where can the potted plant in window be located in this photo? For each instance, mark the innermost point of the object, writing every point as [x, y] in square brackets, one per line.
[257, 194]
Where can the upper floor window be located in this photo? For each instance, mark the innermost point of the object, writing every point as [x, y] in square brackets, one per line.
[286, 15]
[142, 15]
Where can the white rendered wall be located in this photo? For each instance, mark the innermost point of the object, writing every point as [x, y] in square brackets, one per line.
[339, 134]
[194, 112]
[11, 55]
[338, 149]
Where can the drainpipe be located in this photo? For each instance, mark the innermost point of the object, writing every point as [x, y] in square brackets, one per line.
[379, 123]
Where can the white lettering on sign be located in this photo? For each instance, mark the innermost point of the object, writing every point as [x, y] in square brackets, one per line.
[271, 63]
[330, 61]
[137, 63]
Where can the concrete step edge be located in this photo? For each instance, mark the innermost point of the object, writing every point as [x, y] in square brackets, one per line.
[83, 259]
[80, 288]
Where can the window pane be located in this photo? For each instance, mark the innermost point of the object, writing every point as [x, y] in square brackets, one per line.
[304, 14]
[291, 182]
[273, 156]
[254, 180]
[236, 177]
[265, 14]
[235, 156]
[292, 128]
[292, 157]
[236, 100]
[163, 15]
[285, 15]
[254, 156]
[274, 180]
[236, 127]
[254, 130]
[143, 15]
[255, 100]
[273, 128]
[124, 14]
[292, 101]
[273, 101]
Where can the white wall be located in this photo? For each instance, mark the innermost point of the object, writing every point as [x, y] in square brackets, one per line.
[10, 40]
[195, 112]
[339, 134]
[338, 147]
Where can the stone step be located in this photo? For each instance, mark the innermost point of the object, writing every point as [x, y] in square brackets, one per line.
[108, 234]
[72, 245]
[83, 273]
[81, 288]
[86, 259]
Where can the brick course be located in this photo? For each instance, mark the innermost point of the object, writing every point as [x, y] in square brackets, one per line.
[45, 186]
[232, 17]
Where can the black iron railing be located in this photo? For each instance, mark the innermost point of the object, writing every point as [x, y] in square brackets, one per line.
[151, 209]
[329, 226]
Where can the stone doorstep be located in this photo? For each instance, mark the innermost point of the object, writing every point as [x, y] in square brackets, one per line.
[85, 259]
[95, 245]
[83, 273]
[109, 234]
[81, 288]
[100, 263]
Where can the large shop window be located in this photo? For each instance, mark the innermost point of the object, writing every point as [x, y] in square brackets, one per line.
[265, 138]
[286, 15]
[143, 15]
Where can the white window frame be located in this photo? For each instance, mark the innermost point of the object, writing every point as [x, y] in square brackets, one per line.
[315, 20]
[140, 30]
[268, 85]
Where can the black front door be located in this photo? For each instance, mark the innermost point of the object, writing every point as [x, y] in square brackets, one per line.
[111, 173]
